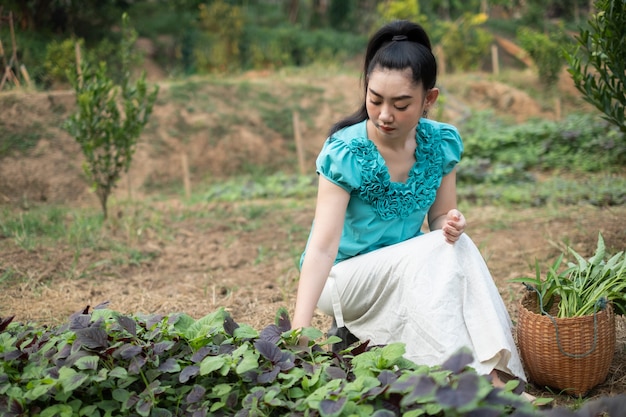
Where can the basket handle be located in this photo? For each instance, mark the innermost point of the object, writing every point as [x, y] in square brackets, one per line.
[600, 304]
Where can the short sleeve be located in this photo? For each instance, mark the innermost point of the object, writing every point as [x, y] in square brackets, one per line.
[451, 147]
[338, 164]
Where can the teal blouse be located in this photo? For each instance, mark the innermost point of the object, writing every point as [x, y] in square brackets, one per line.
[381, 212]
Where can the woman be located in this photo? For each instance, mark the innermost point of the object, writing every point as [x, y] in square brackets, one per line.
[367, 262]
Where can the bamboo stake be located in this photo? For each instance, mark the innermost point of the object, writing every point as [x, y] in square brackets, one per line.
[298, 140]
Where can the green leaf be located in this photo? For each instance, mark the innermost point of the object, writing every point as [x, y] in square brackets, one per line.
[70, 379]
[87, 362]
[210, 364]
[121, 395]
[206, 326]
[245, 331]
[34, 393]
[118, 372]
[57, 410]
[249, 362]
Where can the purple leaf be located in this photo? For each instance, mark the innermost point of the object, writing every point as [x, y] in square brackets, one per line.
[15, 407]
[387, 377]
[128, 324]
[464, 393]
[335, 372]
[152, 320]
[161, 347]
[79, 321]
[230, 325]
[101, 306]
[610, 406]
[4, 323]
[127, 351]
[196, 394]
[143, 406]
[268, 376]
[332, 406]
[12, 355]
[282, 320]
[271, 334]
[484, 412]
[92, 338]
[131, 401]
[357, 350]
[423, 386]
[202, 412]
[202, 353]
[269, 350]
[226, 349]
[457, 362]
[169, 366]
[188, 372]
[136, 363]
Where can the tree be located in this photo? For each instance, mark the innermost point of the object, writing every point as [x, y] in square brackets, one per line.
[598, 65]
[107, 128]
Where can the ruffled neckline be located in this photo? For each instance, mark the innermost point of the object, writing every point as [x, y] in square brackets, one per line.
[390, 199]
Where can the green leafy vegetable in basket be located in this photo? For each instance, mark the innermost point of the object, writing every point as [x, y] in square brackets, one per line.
[584, 286]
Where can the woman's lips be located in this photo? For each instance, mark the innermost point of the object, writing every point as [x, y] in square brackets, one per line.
[385, 129]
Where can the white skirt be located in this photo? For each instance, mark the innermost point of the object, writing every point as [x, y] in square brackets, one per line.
[428, 294]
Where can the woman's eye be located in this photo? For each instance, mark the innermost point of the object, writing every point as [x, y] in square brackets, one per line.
[403, 108]
[376, 103]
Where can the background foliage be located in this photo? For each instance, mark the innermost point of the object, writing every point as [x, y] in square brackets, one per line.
[195, 36]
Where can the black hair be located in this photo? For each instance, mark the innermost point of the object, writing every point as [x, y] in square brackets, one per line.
[397, 45]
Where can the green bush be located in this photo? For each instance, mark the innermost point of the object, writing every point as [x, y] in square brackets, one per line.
[545, 52]
[497, 153]
[598, 66]
[61, 59]
[465, 44]
[107, 129]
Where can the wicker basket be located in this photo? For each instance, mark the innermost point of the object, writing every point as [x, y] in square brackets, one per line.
[573, 359]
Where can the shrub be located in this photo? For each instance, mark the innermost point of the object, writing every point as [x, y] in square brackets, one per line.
[545, 52]
[464, 42]
[106, 129]
[598, 66]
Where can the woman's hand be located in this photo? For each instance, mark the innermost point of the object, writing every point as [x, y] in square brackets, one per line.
[454, 225]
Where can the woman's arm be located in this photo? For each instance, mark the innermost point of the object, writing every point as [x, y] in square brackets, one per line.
[321, 251]
[443, 214]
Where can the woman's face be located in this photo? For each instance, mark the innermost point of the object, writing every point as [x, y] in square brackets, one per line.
[395, 103]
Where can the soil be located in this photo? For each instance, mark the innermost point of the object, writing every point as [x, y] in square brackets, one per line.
[198, 256]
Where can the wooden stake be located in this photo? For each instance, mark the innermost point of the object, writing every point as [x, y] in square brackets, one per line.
[4, 78]
[4, 62]
[25, 75]
[495, 60]
[441, 58]
[14, 54]
[185, 168]
[557, 108]
[79, 70]
[298, 140]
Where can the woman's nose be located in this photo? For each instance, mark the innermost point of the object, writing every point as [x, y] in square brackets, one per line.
[385, 114]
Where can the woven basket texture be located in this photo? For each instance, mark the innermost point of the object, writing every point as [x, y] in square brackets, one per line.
[549, 366]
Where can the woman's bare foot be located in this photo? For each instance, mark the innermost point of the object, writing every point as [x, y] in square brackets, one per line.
[497, 382]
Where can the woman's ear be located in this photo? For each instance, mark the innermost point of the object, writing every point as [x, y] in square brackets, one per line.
[431, 97]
